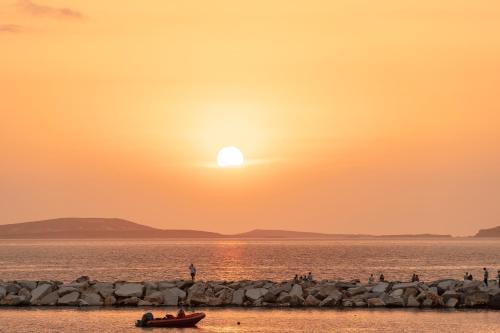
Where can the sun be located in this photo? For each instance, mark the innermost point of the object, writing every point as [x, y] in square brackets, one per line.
[230, 157]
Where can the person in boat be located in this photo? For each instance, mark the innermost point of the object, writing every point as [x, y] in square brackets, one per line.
[181, 313]
[382, 277]
[192, 271]
[371, 279]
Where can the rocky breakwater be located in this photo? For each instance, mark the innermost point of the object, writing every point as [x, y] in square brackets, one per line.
[86, 292]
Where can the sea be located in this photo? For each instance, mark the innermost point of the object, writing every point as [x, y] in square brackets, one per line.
[236, 259]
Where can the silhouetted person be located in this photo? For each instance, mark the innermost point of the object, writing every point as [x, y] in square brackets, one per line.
[371, 279]
[417, 279]
[309, 277]
[413, 278]
[181, 313]
[381, 278]
[466, 276]
[296, 279]
[192, 270]
[486, 275]
[469, 277]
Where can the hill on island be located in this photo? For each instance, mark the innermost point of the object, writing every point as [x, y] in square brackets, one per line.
[492, 232]
[107, 228]
[93, 228]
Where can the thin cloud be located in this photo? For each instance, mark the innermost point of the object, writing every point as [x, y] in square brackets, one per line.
[10, 28]
[42, 10]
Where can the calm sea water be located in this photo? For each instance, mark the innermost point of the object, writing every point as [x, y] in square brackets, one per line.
[224, 320]
[139, 260]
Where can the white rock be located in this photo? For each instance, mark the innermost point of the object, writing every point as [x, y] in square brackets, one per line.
[397, 293]
[296, 290]
[255, 293]
[92, 299]
[380, 287]
[170, 297]
[39, 292]
[447, 284]
[130, 290]
[451, 303]
[179, 292]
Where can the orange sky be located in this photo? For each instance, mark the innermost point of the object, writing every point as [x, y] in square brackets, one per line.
[358, 116]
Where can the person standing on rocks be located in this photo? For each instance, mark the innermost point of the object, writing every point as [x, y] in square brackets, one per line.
[371, 279]
[192, 270]
[486, 275]
[309, 277]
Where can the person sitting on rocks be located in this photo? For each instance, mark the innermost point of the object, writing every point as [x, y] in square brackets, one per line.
[413, 277]
[309, 277]
[486, 275]
[469, 277]
[382, 277]
[417, 279]
[466, 276]
[296, 279]
[371, 279]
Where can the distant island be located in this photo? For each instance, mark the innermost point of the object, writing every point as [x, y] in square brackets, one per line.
[107, 228]
[492, 232]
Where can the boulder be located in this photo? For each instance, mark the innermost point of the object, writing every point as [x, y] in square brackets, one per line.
[12, 288]
[284, 297]
[49, 299]
[92, 299]
[412, 302]
[427, 303]
[445, 285]
[130, 290]
[225, 295]
[155, 298]
[238, 297]
[167, 285]
[150, 287]
[451, 302]
[451, 294]
[63, 290]
[396, 293]
[144, 303]
[326, 289]
[82, 279]
[13, 300]
[172, 299]
[69, 299]
[412, 291]
[3, 292]
[296, 290]
[380, 288]
[375, 302]
[393, 301]
[311, 301]
[347, 303]
[129, 301]
[470, 286]
[495, 302]
[30, 285]
[270, 297]
[355, 291]
[477, 299]
[404, 285]
[109, 300]
[24, 292]
[296, 300]
[39, 292]
[359, 303]
[256, 293]
[179, 292]
[104, 289]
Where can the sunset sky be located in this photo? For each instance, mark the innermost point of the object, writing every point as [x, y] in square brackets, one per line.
[354, 116]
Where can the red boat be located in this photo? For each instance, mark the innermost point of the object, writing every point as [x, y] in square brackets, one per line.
[188, 320]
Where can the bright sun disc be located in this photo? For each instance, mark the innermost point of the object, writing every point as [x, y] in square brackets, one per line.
[229, 157]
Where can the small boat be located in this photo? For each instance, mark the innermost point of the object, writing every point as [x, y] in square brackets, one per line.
[189, 320]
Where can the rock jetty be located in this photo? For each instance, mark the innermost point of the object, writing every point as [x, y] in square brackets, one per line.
[83, 291]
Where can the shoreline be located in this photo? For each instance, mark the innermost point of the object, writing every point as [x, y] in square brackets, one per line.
[84, 292]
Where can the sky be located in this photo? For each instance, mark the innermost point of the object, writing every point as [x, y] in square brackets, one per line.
[356, 116]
